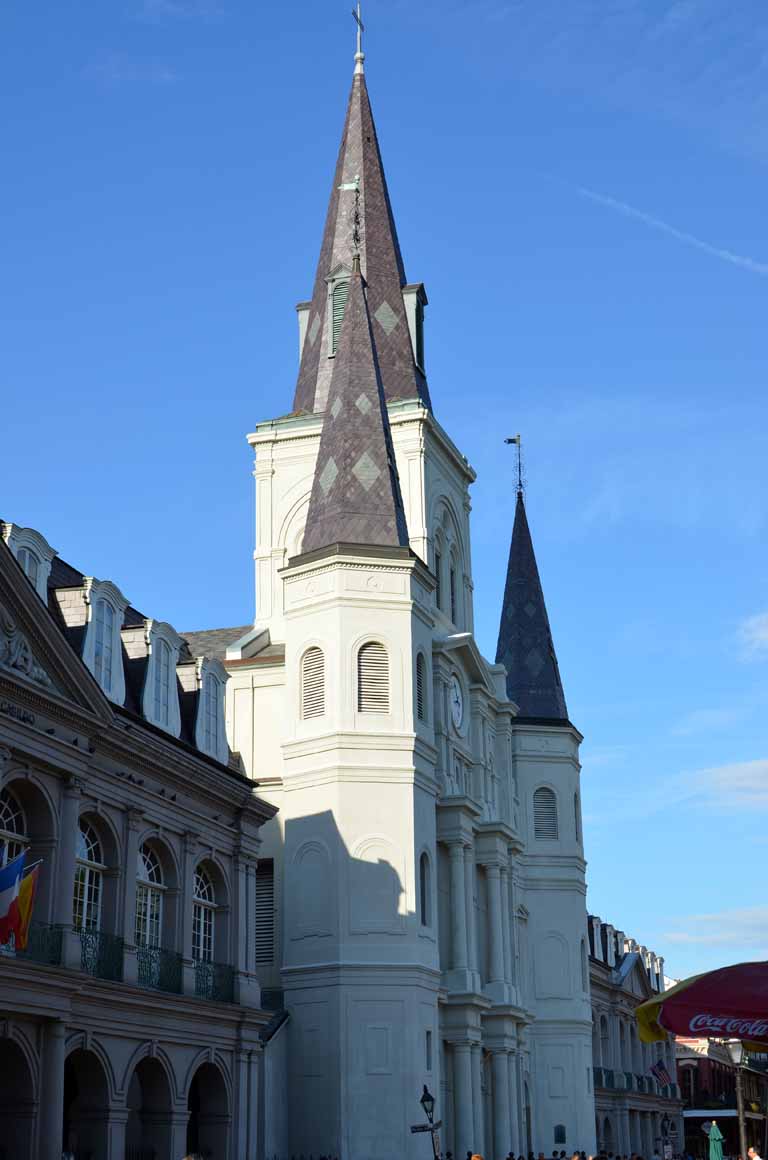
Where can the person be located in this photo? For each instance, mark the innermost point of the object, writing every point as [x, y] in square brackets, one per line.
[753, 1154]
[193, 1156]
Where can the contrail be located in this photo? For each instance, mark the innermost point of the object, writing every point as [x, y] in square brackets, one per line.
[681, 235]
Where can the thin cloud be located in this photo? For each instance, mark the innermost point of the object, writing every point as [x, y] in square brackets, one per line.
[703, 720]
[753, 633]
[160, 11]
[118, 69]
[744, 926]
[655, 223]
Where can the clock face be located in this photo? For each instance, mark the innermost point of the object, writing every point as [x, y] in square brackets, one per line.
[457, 702]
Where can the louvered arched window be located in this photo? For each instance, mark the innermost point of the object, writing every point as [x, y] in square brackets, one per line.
[312, 683]
[373, 678]
[421, 687]
[338, 305]
[545, 814]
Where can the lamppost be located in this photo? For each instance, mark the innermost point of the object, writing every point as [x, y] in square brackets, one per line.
[427, 1102]
[737, 1053]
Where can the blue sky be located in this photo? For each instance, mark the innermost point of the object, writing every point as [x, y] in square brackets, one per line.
[582, 187]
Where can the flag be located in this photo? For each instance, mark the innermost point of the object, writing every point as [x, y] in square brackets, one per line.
[10, 882]
[661, 1073]
[26, 904]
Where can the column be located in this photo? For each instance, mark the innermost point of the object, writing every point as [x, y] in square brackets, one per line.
[246, 1116]
[477, 1098]
[52, 1101]
[187, 911]
[507, 926]
[248, 992]
[462, 1100]
[116, 1124]
[65, 871]
[473, 960]
[495, 934]
[458, 908]
[502, 1126]
[133, 823]
[625, 1143]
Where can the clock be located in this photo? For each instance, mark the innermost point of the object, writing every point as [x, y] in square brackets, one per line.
[457, 702]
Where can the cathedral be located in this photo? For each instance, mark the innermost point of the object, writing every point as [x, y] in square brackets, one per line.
[427, 871]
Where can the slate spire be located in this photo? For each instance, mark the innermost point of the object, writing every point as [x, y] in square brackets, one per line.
[356, 492]
[381, 262]
[525, 639]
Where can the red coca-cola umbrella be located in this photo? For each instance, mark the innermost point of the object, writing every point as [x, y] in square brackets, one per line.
[729, 1003]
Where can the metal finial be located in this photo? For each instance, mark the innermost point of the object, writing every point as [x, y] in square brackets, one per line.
[359, 55]
[519, 443]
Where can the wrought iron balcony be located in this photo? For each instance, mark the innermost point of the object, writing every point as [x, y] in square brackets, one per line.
[101, 955]
[159, 969]
[43, 945]
[214, 981]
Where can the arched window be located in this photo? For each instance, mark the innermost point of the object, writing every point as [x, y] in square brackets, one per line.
[438, 578]
[162, 689]
[211, 710]
[203, 916]
[89, 872]
[454, 596]
[425, 890]
[605, 1042]
[13, 828]
[577, 817]
[545, 814]
[105, 632]
[339, 298]
[373, 678]
[312, 683]
[584, 967]
[149, 898]
[30, 565]
[560, 1136]
[421, 687]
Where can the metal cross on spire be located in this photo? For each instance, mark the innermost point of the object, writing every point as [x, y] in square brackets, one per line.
[516, 439]
[359, 55]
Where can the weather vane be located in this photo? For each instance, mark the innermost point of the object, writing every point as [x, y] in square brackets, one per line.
[359, 55]
[519, 444]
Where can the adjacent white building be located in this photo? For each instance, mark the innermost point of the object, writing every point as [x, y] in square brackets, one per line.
[427, 850]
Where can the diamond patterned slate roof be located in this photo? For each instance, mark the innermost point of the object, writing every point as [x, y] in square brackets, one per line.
[381, 264]
[356, 492]
[525, 639]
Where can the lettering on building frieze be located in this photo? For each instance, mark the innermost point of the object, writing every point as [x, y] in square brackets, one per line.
[16, 653]
[8, 709]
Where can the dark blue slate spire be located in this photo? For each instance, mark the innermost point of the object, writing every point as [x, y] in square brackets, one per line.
[525, 640]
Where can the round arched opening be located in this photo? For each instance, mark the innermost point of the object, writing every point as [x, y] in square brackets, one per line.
[149, 1128]
[17, 1100]
[209, 1117]
[27, 822]
[86, 1105]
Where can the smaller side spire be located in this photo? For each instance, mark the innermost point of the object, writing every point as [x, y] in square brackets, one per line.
[525, 643]
[355, 492]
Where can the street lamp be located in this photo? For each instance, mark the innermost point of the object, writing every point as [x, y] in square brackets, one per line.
[427, 1102]
[737, 1053]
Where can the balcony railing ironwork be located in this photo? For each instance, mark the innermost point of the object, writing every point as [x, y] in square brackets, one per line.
[159, 969]
[101, 954]
[43, 945]
[214, 981]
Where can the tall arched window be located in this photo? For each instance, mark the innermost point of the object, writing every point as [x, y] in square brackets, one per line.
[454, 593]
[13, 828]
[162, 691]
[545, 814]
[312, 683]
[105, 632]
[89, 872]
[338, 305]
[373, 678]
[605, 1042]
[438, 578]
[421, 687]
[203, 916]
[577, 817]
[211, 709]
[425, 890]
[149, 899]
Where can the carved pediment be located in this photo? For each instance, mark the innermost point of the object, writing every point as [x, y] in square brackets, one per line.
[16, 655]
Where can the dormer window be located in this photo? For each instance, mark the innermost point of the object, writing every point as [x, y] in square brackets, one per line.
[33, 553]
[162, 683]
[160, 703]
[29, 564]
[210, 735]
[211, 713]
[104, 644]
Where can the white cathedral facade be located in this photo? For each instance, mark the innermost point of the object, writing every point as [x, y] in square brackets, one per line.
[429, 870]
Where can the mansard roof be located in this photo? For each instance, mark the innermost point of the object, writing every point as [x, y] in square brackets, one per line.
[356, 492]
[525, 645]
[359, 160]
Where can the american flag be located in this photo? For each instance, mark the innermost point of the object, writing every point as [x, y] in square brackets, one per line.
[661, 1073]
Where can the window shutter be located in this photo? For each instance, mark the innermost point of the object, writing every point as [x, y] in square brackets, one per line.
[265, 912]
[420, 703]
[373, 679]
[545, 815]
[312, 683]
[340, 296]
[438, 578]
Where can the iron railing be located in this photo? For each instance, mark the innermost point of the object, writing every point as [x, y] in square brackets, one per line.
[43, 944]
[214, 981]
[101, 955]
[159, 969]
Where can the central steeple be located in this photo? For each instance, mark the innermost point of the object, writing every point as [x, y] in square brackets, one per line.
[359, 168]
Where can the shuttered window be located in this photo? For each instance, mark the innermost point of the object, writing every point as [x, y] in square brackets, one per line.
[421, 690]
[545, 814]
[338, 304]
[265, 911]
[438, 578]
[373, 679]
[453, 594]
[312, 683]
